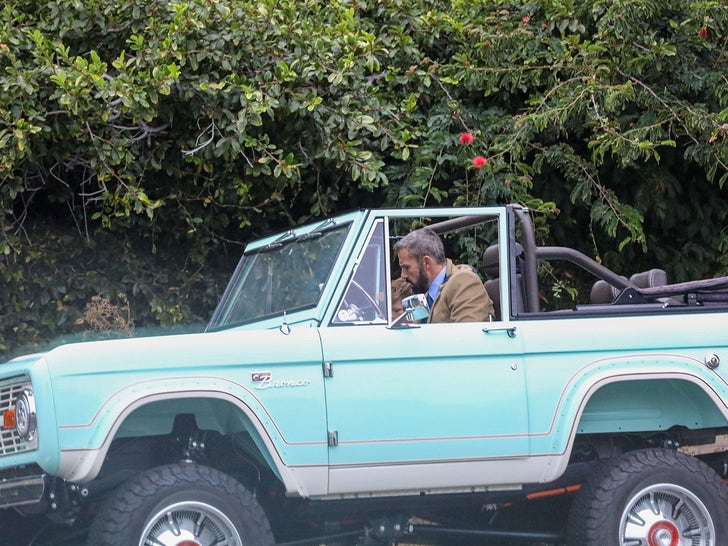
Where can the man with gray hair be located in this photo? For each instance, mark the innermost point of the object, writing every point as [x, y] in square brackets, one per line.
[455, 292]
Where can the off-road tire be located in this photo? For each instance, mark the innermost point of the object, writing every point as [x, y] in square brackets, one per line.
[126, 518]
[649, 494]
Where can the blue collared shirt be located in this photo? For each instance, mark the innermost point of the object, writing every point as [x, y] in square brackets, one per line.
[434, 289]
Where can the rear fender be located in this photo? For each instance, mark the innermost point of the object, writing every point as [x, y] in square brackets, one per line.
[652, 393]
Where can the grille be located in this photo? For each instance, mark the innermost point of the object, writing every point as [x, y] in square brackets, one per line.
[10, 442]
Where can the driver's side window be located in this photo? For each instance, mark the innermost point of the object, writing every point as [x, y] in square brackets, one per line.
[365, 299]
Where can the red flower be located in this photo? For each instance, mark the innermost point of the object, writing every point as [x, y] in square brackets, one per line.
[479, 161]
[466, 138]
[525, 19]
[703, 32]
[486, 43]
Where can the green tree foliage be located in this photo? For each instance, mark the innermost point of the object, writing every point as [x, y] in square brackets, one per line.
[142, 142]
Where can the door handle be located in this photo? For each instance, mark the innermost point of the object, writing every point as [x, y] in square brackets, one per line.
[510, 330]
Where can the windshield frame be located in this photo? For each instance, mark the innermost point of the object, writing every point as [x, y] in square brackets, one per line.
[443, 219]
[378, 241]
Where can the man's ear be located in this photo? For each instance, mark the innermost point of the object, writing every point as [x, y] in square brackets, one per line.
[427, 263]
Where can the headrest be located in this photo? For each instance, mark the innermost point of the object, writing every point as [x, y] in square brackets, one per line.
[648, 279]
[491, 260]
[602, 292]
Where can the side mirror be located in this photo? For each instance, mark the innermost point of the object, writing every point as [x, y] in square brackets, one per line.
[415, 309]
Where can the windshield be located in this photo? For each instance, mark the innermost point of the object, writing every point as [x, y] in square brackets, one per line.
[289, 276]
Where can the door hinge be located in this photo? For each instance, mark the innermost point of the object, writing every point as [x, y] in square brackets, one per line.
[328, 369]
[333, 438]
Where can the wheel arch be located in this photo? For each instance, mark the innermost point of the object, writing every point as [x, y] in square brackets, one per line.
[210, 413]
[650, 404]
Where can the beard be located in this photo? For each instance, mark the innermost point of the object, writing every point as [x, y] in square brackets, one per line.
[421, 283]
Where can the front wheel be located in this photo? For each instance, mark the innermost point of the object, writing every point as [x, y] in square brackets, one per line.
[181, 504]
[651, 497]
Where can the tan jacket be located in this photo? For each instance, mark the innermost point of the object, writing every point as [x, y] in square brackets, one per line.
[462, 297]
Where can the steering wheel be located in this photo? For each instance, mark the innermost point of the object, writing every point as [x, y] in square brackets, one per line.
[358, 305]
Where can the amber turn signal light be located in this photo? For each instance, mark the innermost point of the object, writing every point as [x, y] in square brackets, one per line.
[9, 419]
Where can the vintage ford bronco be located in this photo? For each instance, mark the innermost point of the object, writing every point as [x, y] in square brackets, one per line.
[307, 413]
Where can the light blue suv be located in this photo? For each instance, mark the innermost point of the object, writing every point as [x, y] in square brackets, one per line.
[307, 413]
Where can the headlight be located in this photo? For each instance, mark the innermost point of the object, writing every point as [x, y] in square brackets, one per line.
[26, 422]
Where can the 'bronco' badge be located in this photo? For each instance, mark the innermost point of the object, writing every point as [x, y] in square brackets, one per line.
[265, 380]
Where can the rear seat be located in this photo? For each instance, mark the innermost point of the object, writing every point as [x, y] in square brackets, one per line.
[602, 292]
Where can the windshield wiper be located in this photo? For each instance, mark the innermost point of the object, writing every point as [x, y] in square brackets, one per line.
[318, 231]
[310, 235]
[329, 222]
[291, 237]
[287, 237]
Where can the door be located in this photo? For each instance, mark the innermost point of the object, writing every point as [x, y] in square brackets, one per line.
[424, 406]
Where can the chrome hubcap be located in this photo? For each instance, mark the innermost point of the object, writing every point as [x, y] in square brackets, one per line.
[666, 515]
[190, 524]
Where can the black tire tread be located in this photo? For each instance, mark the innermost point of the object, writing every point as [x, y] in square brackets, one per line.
[110, 527]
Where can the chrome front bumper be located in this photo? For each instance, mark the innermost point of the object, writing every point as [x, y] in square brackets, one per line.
[21, 490]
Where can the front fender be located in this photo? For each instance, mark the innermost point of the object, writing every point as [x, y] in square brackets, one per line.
[274, 381]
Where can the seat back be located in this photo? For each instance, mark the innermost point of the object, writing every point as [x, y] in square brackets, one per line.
[602, 292]
[492, 283]
[491, 268]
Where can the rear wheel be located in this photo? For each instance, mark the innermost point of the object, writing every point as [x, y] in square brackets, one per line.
[651, 498]
[181, 505]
